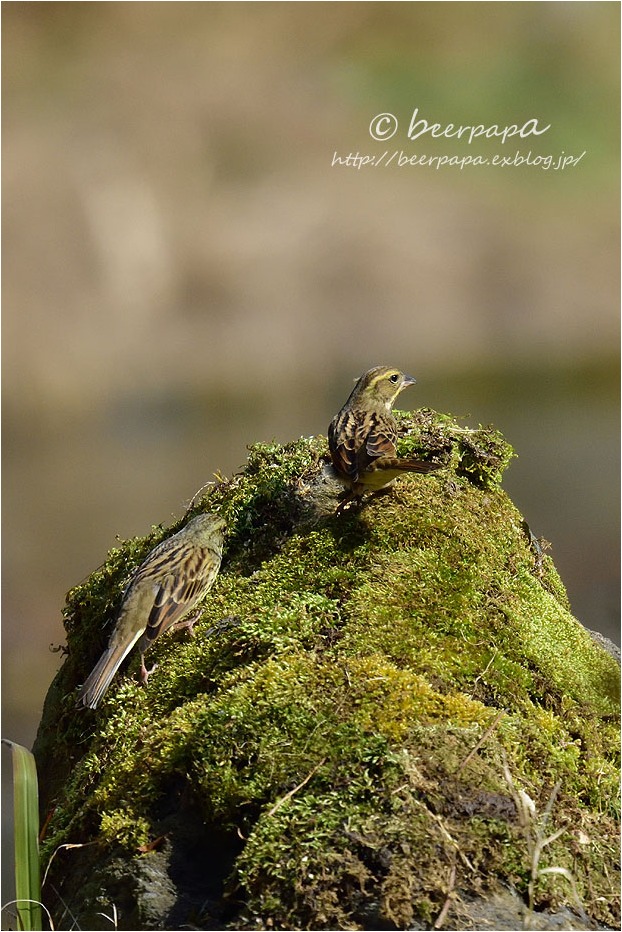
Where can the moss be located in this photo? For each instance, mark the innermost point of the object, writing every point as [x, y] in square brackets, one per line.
[337, 712]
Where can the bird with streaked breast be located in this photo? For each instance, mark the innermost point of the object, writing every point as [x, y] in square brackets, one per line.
[362, 437]
[174, 576]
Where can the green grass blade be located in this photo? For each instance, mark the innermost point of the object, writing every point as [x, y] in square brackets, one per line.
[26, 806]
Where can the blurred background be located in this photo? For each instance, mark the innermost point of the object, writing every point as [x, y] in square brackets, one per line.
[185, 273]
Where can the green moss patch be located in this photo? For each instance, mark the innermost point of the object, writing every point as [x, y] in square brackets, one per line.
[356, 692]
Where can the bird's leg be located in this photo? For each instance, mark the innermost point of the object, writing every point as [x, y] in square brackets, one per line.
[188, 623]
[350, 500]
[144, 672]
[359, 499]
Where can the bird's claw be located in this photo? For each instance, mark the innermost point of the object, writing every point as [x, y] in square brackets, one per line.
[145, 673]
[351, 501]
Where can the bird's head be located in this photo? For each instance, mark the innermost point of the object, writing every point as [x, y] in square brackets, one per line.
[381, 385]
[206, 528]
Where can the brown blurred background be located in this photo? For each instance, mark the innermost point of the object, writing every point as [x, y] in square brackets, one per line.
[185, 273]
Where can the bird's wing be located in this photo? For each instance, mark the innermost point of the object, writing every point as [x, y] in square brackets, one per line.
[176, 591]
[357, 438]
[344, 442]
[381, 438]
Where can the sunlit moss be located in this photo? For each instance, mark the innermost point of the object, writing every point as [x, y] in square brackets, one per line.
[329, 707]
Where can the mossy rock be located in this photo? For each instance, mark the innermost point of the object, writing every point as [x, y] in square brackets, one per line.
[380, 714]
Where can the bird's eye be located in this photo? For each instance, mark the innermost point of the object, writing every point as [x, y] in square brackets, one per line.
[395, 377]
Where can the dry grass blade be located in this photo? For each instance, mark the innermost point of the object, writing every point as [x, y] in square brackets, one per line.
[304, 782]
[481, 741]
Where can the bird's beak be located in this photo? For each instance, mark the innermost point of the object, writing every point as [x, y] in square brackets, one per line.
[408, 380]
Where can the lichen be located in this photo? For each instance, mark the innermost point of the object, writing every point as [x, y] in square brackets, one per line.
[356, 690]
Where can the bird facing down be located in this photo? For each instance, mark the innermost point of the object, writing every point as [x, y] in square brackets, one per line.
[362, 437]
[171, 580]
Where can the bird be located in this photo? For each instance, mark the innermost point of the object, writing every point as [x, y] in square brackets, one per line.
[362, 437]
[167, 585]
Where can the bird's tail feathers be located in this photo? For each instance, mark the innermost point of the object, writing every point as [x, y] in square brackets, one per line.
[100, 678]
[401, 464]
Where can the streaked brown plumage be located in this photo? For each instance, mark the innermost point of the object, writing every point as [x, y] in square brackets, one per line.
[166, 586]
[362, 437]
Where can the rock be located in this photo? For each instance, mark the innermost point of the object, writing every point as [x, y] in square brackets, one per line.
[399, 725]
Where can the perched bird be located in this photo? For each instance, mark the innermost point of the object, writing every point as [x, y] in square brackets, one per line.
[362, 437]
[166, 586]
